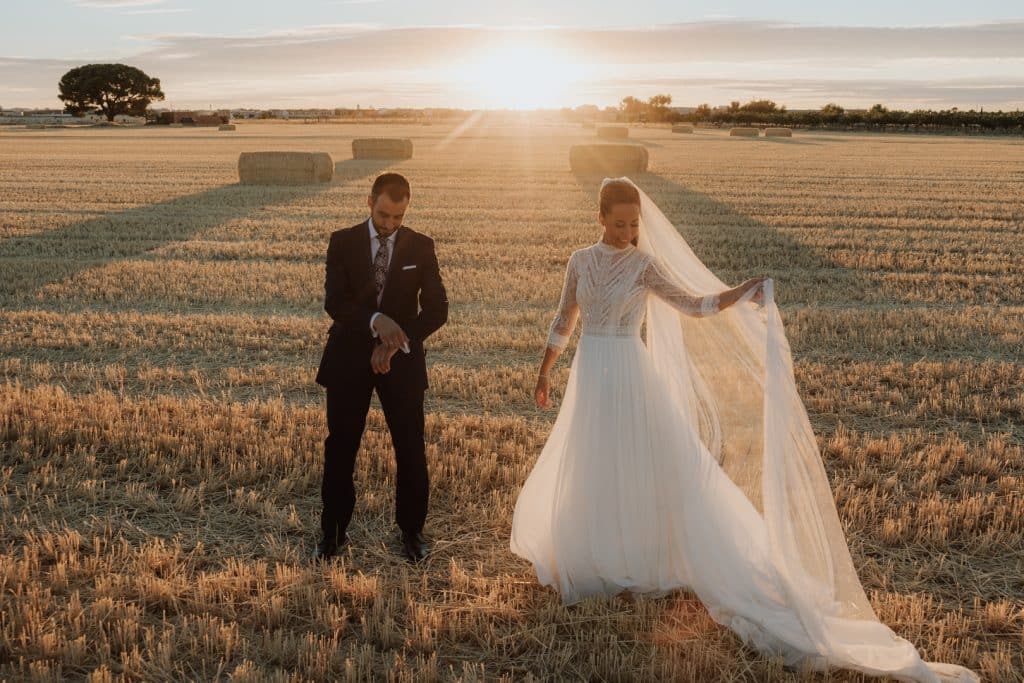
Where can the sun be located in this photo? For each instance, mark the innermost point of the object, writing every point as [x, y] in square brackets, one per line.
[519, 75]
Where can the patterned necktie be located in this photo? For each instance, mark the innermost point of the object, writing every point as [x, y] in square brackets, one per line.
[380, 263]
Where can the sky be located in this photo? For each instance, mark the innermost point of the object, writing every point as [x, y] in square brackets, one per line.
[526, 54]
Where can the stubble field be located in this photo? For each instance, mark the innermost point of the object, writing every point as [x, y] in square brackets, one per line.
[161, 433]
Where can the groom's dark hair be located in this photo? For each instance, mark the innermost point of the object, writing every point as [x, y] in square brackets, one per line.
[394, 184]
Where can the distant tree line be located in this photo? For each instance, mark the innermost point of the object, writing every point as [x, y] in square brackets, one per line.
[830, 116]
[835, 116]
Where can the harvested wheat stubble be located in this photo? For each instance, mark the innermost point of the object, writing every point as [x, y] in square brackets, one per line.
[612, 132]
[382, 148]
[778, 132]
[608, 158]
[284, 168]
[744, 132]
[226, 126]
[682, 129]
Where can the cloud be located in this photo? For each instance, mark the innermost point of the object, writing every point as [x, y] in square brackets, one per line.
[108, 4]
[714, 61]
[165, 10]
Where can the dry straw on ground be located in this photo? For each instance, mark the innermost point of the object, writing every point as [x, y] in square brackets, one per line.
[743, 131]
[612, 132]
[161, 433]
[382, 148]
[284, 168]
[608, 158]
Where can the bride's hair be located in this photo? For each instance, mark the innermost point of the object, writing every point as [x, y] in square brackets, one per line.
[618, 192]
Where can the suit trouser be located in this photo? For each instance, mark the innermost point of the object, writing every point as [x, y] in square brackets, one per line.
[346, 419]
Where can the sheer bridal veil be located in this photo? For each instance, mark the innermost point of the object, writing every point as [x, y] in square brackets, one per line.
[732, 374]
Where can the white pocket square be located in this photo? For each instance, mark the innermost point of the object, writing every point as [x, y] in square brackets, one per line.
[408, 267]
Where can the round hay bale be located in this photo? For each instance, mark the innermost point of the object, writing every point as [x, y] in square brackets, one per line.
[778, 132]
[382, 148]
[226, 126]
[608, 158]
[745, 132]
[284, 168]
[682, 129]
[612, 132]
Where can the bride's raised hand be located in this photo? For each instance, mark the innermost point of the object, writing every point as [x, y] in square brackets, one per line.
[755, 283]
[540, 393]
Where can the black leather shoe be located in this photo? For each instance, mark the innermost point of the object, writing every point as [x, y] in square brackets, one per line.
[329, 547]
[414, 546]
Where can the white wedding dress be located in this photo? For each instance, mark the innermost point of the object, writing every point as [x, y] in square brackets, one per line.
[627, 495]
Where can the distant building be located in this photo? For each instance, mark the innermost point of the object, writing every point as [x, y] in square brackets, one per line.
[26, 116]
[193, 118]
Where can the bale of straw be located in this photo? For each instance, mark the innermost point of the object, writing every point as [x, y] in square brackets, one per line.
[612, 132]
[382, 148]
[745, 132]
[284, 168]
[35, 126]
[226, 126]
[679, 128]
[610, 159]
[778, 132]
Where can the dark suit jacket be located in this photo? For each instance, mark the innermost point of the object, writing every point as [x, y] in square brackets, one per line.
[414, 297]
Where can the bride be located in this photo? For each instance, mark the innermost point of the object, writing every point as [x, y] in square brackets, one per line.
[682, 456]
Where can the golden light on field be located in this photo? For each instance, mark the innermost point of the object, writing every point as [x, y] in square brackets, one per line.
[526, 74]
[161, 435]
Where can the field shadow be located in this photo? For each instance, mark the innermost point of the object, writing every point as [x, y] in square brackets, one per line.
[787, 141]
[30, 262]
[645, 143]
[735, 246]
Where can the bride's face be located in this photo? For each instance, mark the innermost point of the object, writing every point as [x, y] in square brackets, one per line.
[621, 224]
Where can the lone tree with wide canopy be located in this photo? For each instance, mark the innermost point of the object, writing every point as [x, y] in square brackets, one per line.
[112, 89]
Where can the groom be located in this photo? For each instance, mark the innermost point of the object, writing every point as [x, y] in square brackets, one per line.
[385, 295]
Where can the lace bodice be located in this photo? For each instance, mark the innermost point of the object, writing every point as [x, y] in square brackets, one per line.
[608, 288]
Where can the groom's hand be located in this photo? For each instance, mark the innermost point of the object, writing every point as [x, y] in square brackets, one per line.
[389, 332]
[380, 361]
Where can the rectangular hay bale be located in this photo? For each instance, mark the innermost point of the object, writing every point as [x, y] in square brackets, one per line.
[778, 132]
[382, 148]
[612, 132]
[744, 131]
[682, 129]
[284, 168]
[608, 158]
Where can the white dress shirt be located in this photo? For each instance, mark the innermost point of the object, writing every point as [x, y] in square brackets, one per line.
[374, 246]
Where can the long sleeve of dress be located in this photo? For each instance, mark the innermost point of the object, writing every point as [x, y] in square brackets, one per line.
[568, 310]
[654, 279]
